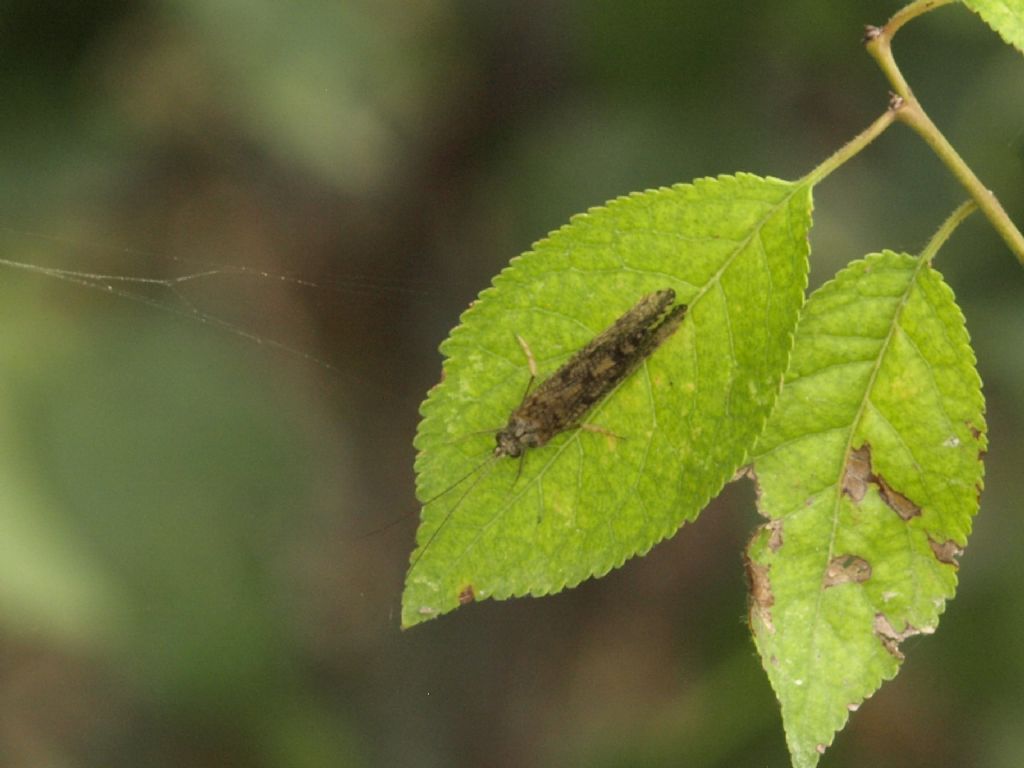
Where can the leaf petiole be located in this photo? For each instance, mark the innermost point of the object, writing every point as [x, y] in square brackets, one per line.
[851, 148]
[948, 227]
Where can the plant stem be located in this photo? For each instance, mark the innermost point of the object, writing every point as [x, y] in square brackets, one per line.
[850, 148]
[912, 11]
[948, 227]
[908, 110]
[912, 114]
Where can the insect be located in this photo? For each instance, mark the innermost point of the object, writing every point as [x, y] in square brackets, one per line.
[565, 397]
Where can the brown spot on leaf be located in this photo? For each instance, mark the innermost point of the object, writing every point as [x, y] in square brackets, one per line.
[744, 471]
[775, 535]
[946, 551]
[760, 590]
[858, 473]
[466, 595]
[896, 501]
[975, 432]
[845, 569]
[752, 474]
[890, 638]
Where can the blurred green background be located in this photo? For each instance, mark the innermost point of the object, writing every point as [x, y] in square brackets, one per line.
[189, 568]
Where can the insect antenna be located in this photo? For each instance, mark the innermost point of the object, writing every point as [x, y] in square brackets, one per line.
[489, 465]
[519, 468]
[402, 518]
[473, 471]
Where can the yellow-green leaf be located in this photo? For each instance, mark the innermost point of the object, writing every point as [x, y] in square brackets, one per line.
[1004, 16]
[869, 471]
[735, 250]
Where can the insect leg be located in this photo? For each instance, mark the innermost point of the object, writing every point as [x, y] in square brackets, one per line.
[600, 430]
[529, 356]
[531, 362]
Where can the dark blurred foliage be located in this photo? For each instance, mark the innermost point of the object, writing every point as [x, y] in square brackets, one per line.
[188, 569]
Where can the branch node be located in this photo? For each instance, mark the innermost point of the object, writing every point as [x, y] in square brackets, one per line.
[871, 32]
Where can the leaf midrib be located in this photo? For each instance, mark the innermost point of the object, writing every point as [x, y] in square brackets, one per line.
[883, 350]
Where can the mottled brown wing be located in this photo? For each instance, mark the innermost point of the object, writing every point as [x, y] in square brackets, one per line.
[564, 398]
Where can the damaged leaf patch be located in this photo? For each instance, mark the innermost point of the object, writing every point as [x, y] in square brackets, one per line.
[870, 463]
[845, 569]
[891, 638]
[946, 552]
[897, 502]
[774, 535]
[760, 590]
[859, 474]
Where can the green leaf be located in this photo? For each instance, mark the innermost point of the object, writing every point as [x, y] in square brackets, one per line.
[1004, 16]
[869, 471]
[735, 250]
